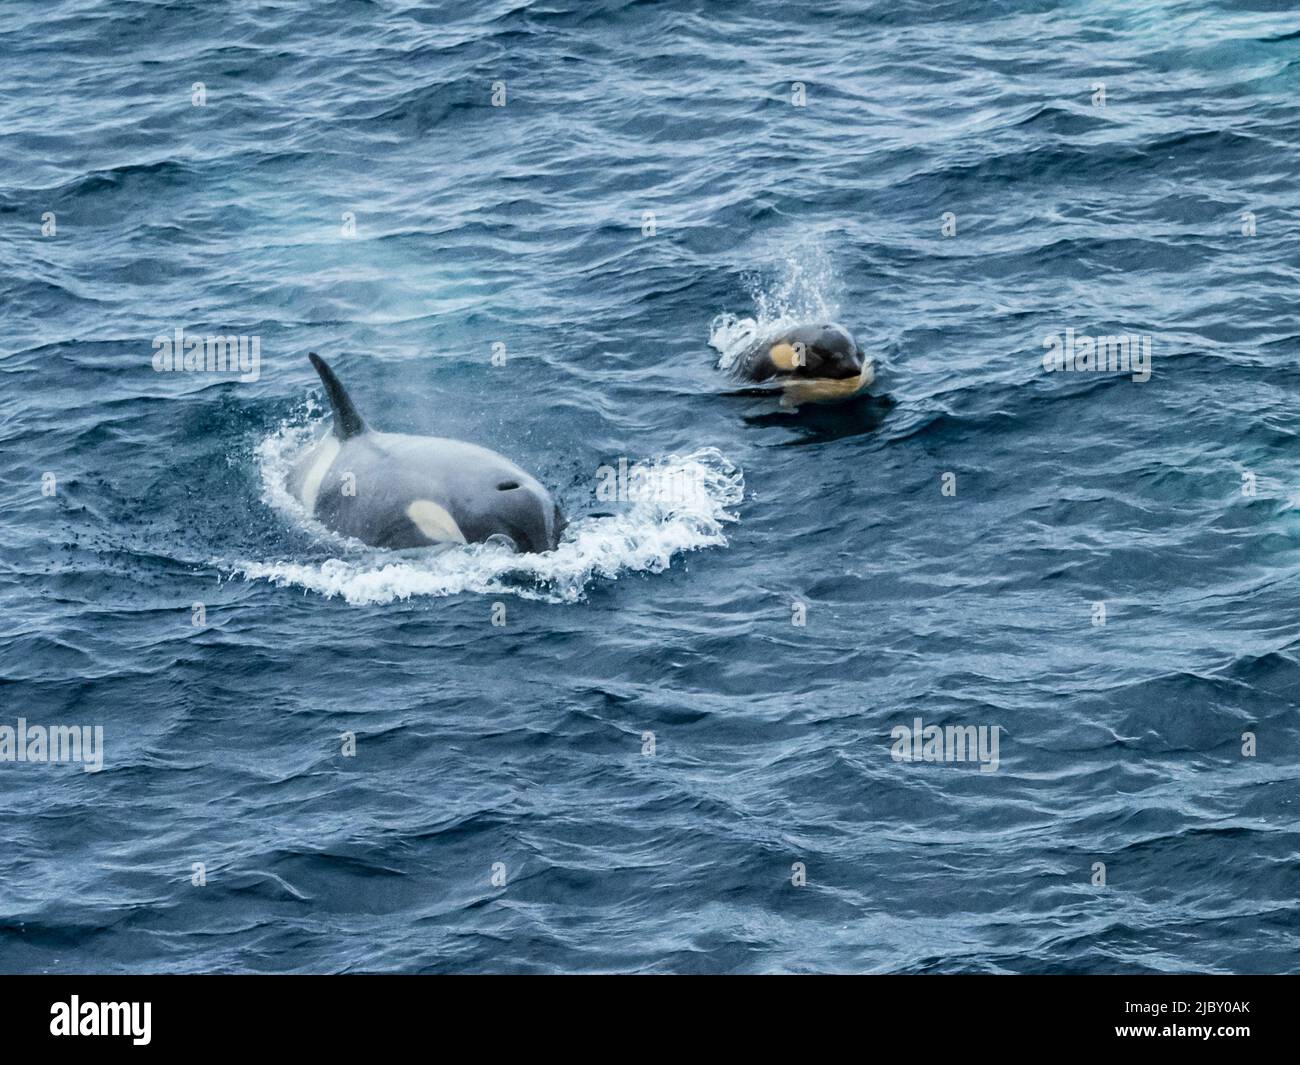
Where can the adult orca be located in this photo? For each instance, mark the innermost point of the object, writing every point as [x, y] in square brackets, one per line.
[396, 490]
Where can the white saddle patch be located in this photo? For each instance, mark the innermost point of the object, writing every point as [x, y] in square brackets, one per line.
[435, 522]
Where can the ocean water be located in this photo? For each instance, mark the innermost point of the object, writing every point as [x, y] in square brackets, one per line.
[670, 745]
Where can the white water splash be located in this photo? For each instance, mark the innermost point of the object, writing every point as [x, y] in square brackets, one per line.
[643, 538]
[802, 292]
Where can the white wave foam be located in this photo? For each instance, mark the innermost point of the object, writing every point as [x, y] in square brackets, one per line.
[643, 538]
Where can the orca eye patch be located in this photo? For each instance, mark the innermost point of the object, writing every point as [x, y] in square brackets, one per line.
[791, 357]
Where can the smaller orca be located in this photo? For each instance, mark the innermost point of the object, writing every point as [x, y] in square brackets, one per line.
[807, 363]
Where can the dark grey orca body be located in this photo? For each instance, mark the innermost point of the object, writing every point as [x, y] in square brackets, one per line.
[395, 490]
[808, 363]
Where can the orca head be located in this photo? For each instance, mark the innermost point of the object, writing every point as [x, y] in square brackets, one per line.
[824, 352]
[524, 513]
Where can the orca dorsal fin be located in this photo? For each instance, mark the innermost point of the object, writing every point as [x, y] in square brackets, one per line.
[347, 422]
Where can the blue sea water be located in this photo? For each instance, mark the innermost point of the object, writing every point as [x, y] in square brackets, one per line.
[645, 764]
